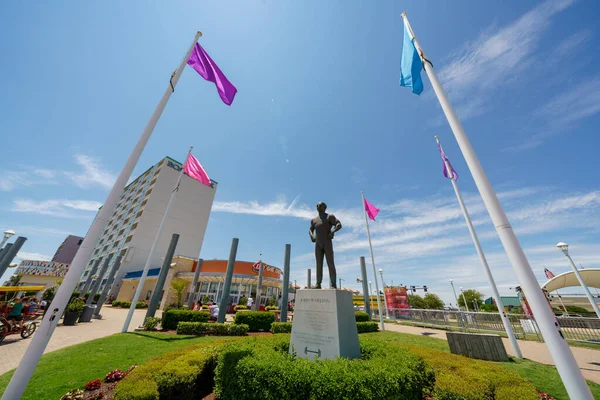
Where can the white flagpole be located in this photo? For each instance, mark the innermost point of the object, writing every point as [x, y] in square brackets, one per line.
[38, 344]
[483, 260]
[140, 286]
[557, 345]
[373, 263]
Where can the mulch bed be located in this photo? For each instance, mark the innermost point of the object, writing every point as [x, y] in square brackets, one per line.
[107, 390]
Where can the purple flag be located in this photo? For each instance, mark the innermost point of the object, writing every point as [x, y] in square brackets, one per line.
[206, 67]
[447, 173]
[371, 210]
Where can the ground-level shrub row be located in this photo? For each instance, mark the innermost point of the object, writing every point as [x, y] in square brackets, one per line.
[257, 321]
[211, 328]
[171, 318]
[286, 327]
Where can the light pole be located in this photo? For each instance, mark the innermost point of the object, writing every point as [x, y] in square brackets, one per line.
[387, 311]
[453, 290]
[464, 298]
[565, 249]
[7, 235]
[371, 295]
[340, 279]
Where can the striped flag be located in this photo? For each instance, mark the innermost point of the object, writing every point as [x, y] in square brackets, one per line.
[548, 273]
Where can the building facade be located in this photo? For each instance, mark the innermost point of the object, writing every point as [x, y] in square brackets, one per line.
[210, 282]
[134, 224]
[41, 273]
[67, 250]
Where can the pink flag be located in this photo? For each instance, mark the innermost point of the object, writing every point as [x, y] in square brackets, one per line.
[206, 67]
[371, 210]
[195, 171]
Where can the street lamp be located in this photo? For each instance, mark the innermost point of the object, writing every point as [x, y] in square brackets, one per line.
[387, 311]
[464, 299]
[340, 279]
[565, 249]
[453, 290]
[7, 235]
[371, 295]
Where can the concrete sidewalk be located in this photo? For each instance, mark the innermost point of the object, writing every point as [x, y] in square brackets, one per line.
[13, 347]
[587, 359]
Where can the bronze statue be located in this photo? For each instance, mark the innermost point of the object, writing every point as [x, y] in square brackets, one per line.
[321, 234]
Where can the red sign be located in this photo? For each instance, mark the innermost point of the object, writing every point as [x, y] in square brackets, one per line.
[266, 267]
[396, 297]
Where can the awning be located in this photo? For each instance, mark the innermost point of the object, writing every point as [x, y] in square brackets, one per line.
[591, 277]
[21, 288]
[236, 278]
[138, 274]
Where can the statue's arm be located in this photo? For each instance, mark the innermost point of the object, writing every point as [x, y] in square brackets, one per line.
[311, 232]
[337, 225]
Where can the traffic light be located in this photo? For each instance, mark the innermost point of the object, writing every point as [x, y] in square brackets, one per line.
[424, 288]
[412, 288]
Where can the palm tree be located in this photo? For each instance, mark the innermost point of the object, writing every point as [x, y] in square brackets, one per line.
[178, 286]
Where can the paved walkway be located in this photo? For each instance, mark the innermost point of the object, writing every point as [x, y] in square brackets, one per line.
[13, 347]
[587, 359]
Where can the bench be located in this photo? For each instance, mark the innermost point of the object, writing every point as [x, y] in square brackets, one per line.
[477, 345]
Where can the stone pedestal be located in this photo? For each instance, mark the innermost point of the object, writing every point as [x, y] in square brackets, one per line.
[324, 325]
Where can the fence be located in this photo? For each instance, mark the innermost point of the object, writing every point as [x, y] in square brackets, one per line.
[573, 328]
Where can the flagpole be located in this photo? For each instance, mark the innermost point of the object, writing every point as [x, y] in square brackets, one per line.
[482, 259]
[564, 360]
[140, 286]
[38, 343]
[373, 263]
[561, 302]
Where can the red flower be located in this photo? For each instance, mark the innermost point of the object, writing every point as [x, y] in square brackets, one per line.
[114, 376]
[93, 385]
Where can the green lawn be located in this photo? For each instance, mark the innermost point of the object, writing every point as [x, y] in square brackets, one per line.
[73, 366]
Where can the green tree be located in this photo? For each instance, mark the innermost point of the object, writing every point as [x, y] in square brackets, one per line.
[489, 308]
[471, 295]
[15, 279]
[433, 302]
[178, 286]
[416, 301]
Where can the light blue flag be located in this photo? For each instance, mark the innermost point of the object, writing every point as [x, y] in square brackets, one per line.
[410, 64]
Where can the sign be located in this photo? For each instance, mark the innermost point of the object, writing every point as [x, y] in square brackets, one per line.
[266, 267]
[42, 268]
[396, 297]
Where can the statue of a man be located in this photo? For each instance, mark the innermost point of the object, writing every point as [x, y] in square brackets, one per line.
[322, 230]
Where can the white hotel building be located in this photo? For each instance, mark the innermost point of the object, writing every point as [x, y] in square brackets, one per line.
[132, 228]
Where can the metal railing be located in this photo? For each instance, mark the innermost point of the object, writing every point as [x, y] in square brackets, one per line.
[573, 328]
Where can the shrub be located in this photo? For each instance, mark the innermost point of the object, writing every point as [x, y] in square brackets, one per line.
[76, 305]
[261, 368]
[141, 304]
[577, 310]
[214, 329]
[114, 376]
[364, 327]
[73, 394]
[458, 377]
[243, 301]
[151, 323]
[362, 316]
[171, 318]
[240, 307]
[271, 308]
[257, 321]
[93, 385]
[124, 304]
[116, 303]
[205, 299]
[204, 307]
[281, 327]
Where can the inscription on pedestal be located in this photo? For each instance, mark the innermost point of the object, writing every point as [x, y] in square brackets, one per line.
[320, 327]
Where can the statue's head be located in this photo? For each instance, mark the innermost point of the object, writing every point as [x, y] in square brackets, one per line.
[321, 207]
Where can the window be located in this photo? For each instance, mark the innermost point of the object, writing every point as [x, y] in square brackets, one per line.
[128, 239]
[149, 191]
[139, 214]
[144, 202]
[134, 226]
[80, 241]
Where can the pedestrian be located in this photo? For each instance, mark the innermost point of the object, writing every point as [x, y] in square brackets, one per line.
[279, 302]
[15, 312]
[249, 302]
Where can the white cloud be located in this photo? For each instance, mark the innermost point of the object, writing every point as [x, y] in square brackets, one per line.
[58, 208]
[496, 58]
[277, 208]
[91, 174]
[25, 255]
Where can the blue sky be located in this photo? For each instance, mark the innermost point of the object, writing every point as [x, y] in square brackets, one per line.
[319, 116]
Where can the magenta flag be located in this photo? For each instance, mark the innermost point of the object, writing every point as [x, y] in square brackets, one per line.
[206, 67]
[447, 173]
[194, 170]
[371, 210]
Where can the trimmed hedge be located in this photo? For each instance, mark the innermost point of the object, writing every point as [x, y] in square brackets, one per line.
[262, 368]
[362, 316]
[281, 327]
[212, 329]
[182, 374]
[459, 377]
[364, 327]
[171, 318]
[257, 321]
[87, 294]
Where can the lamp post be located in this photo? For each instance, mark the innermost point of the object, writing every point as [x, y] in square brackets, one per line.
[387, 311]
[371, 295]
[464, 298]
[565, 249]
[453, 290]
[340, 279]
[7, 235]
